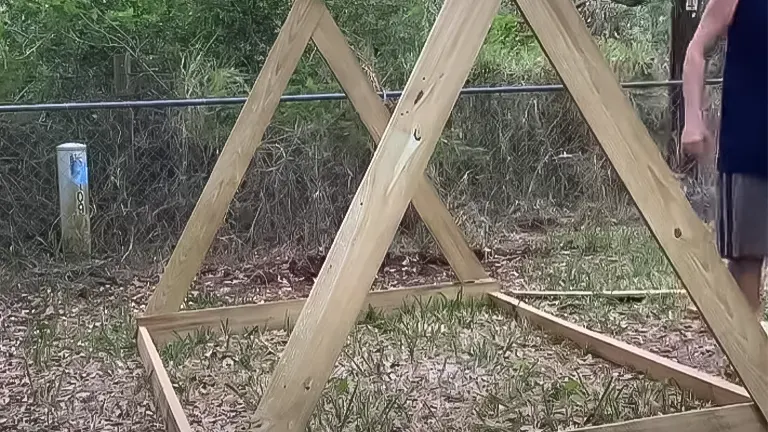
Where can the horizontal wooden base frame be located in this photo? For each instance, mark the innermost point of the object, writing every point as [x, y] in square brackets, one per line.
[735, 418]
[157, 330]
[395, 175]
[702, 385]
[279, 315]
[740, 416]
[618, 295]
[165, 396]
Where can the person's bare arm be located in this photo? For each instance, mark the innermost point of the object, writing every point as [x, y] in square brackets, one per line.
[714, 23]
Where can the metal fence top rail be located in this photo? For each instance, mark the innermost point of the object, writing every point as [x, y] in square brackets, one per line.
[167, 103]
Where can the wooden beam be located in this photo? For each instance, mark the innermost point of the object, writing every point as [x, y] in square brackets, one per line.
[333, 46]
[686, 241]
[281, 314]
[165, 397]
[735, 418]
[702, 385]
[235, 157]
[373, 216]
[628, 294]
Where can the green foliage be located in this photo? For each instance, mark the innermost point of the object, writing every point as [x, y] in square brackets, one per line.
[50, 48]
[511, 53]
[46, 41]
[510, 29]
[534, 149]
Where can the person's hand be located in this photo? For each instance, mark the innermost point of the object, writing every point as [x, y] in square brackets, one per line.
[696, 139]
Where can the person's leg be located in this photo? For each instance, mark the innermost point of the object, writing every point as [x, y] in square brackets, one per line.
[742, 232]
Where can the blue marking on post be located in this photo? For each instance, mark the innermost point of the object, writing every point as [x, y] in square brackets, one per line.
[78, 169]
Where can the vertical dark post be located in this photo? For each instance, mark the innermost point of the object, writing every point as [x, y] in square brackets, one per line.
[121, 66]
[685, 19]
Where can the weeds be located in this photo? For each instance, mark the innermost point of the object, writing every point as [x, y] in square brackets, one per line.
[502, 161]
[424, 368]
[438, 364]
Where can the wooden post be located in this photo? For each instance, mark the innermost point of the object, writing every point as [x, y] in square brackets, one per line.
[72, 165]
[333, 46]
[235, 157]
[373, 217]
[686, 241]
[685, 18]
[198, 234]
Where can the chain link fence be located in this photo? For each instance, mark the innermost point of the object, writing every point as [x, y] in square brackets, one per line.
[505, 161]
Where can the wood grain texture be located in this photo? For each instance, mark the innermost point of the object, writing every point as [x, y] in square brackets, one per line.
[235, 157]
[702, 385]
[333, 46]
[165, 396]
[373, 216]
[626, 141]
[735, 418]
[282, 314]
[621, 294]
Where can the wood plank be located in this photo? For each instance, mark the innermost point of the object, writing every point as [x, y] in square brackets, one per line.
[165, 396]
[333, 46]
[628, 294]
[686, 241]
[235, 157]
[282, 314]
[735, 418]
[374, 215]
[702, 385]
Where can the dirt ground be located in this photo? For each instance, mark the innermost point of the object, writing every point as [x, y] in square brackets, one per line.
[68, 357]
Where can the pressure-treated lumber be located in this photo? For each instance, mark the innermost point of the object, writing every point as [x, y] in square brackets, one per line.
[372, 219]
[165, 397]
[628, 294]
[334, 48]
[235, 157]
[735, 418]
[702, 385]
[281, 314]
[246, 138]
[686, 241]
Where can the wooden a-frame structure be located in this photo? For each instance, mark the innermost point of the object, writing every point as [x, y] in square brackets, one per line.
[405, 141]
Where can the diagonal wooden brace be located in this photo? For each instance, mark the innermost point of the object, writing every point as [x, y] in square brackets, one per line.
[374, 215]
[568, 44]
[332, 44]
[245, 139]
[235, 157]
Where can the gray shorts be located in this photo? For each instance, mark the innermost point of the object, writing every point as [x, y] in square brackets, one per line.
[742, 216]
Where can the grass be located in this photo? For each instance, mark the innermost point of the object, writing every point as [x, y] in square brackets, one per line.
[606, 258]
[68, 358]
[67, 366]
[624, 258]
[67, 351]
[442, 365]
[609, 258]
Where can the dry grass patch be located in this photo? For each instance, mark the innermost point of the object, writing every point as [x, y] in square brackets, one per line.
[438, 366]
[67, 366]
[624, 258]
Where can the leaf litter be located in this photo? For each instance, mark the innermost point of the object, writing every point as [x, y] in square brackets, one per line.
[68, 358]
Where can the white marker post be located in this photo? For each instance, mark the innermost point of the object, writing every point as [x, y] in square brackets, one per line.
[72, 163]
